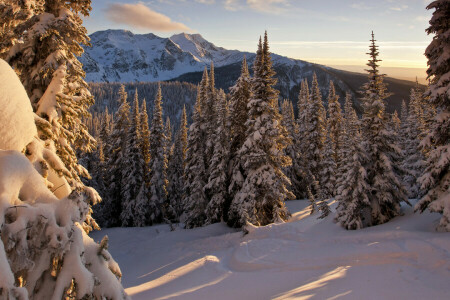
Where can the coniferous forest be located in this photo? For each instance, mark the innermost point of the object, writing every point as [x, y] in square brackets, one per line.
[239, 181]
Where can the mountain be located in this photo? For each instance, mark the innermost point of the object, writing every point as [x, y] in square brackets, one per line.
[121, 56]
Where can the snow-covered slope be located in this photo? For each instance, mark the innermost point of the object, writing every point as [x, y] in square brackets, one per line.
[121, 56]
[303, 259]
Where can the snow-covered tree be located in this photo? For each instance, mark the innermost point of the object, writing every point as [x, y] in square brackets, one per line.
[386, 189]
[112, 206]
[353, 190]
[210, 116]
[413, 157]
[133, 170]
[195, 201]
[316, 129]
[45, 250]
[334, 123]
[216, 188]
[239, 98]
[436, 179]
[294, 171]
[41, 41]
[176, 172]
[261, 199]
[158, 179]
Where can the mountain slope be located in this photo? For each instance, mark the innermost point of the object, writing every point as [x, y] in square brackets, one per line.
[121, 56]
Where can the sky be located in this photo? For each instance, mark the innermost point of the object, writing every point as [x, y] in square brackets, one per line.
[329, 32]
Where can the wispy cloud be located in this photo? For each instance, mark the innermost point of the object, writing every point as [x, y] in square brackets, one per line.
[398, 8]
[262, 6]
[361, 6]
[140, 16]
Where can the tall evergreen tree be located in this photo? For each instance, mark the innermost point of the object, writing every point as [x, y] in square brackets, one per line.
[328, 169]
[316, 129]
[386, 190]
[436, 179]
[112, 208]
[195, 201]
[413, 158]
[353, 190]
[41, 41]
[261, 199]
[176, 171]
[143, 207]
[133, 170]
[334, 122]
[216, 188]
[239, 98]
[158, 179]
[294, 171]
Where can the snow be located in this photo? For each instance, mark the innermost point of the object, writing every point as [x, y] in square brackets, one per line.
[18, 128]
[304, 258]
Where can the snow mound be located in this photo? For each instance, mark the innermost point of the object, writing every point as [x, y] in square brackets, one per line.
[17, 128]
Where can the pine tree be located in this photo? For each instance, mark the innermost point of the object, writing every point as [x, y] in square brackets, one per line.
[334, 123]
[413, 158]
[320, 200]
[143, 208]
[315, 129]
[133, 171]
[216, 188]
[386, 190]
[42, 42]
[436, 179]
[240, 96]
[112, 209]
[294, 171]
[195, 201]
[210, 116]
[353, 210]
[176, 171]
[158, 180]
[261, 199]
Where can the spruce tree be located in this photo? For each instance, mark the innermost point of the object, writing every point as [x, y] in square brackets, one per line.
[261, 199]
[195, 201]
[133, 171]
[386, 189]
[158, 179]
[42, 41]
[413, 158]
[294, 171]
[239, 98]
[334, 123]
[176, 171]
[143, 208]
[216, 188]
[353, 210]
[112, 208]
[436, 179]
[315, 129]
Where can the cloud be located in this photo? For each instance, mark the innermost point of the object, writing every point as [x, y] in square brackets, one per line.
[263, 6]
[269, 6]
[206, 1]
[399, 8]
[140, 16]
[361, 6]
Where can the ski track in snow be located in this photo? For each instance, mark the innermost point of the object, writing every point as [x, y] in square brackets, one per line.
[305, 258]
